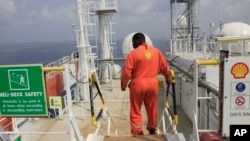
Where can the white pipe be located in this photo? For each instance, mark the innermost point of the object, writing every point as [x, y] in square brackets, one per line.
[163, 124]
[195, 97]
[34, 132]
[69, 102]
[207, 130]
[109, 126]
[205, 98]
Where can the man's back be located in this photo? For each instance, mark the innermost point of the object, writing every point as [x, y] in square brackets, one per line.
[145, 62]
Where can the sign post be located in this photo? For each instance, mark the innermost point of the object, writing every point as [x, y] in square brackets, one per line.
[22, 91]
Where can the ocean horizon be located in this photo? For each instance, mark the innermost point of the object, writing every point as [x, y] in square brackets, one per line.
[47, 52]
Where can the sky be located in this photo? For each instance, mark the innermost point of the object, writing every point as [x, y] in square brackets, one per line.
[51, 20]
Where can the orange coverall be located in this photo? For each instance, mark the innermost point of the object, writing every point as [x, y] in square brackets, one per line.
[142, 66]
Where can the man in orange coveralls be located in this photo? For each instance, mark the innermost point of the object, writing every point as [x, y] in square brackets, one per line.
[142, 66]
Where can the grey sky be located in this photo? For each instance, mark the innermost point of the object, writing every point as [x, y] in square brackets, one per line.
[51, 20]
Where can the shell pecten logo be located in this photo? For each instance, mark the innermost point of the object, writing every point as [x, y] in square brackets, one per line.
[239, 70]
[148, 54]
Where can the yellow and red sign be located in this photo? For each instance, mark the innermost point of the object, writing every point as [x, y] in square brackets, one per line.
[239, 70]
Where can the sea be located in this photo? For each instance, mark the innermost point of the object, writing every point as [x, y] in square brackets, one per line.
[47, 52]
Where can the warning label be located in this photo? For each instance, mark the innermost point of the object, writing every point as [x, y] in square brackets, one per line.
[239, 102]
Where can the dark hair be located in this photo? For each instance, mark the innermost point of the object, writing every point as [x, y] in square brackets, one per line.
[139, 37]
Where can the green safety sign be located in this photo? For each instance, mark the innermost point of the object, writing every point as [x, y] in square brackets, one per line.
[18, 138]
[22, 91]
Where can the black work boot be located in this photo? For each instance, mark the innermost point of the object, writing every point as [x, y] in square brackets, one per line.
[141, 133]
[152, 132]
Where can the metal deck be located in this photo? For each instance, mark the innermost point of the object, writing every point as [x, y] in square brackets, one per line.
[159, 137]
[136, 138]
[40, 129]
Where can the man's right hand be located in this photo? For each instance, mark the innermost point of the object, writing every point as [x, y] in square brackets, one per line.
[171, 78]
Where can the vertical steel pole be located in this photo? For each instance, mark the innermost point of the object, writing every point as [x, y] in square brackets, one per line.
[69, 102]
[223, 55]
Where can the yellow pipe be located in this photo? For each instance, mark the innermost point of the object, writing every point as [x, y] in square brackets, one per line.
[175, 120]
[53, 68]
[103, 105]
[94, 123]
[92, 76]
[91, 79]
[166, 103]
[208, 62]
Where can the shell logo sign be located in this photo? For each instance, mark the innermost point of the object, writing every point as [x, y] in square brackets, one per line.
[239, 70]
[148, 55]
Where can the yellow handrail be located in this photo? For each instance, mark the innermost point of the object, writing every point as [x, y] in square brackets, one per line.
[208, 62]
[53, 68]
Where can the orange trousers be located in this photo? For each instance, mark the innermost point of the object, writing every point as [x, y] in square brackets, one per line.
[143, 90]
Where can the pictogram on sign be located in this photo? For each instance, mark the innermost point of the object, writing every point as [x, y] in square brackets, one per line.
[240, 100]
[240, 87]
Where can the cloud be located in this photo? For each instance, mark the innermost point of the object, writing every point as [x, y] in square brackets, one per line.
[145, 7]
[46, 12]
[65, 13]
[142, 8]
[43, 19]
[146, 16]
[35, 20]
[24, 3]
[7, 8]
[238, 11]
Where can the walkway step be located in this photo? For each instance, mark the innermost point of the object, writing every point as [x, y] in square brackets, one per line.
[136, 138]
